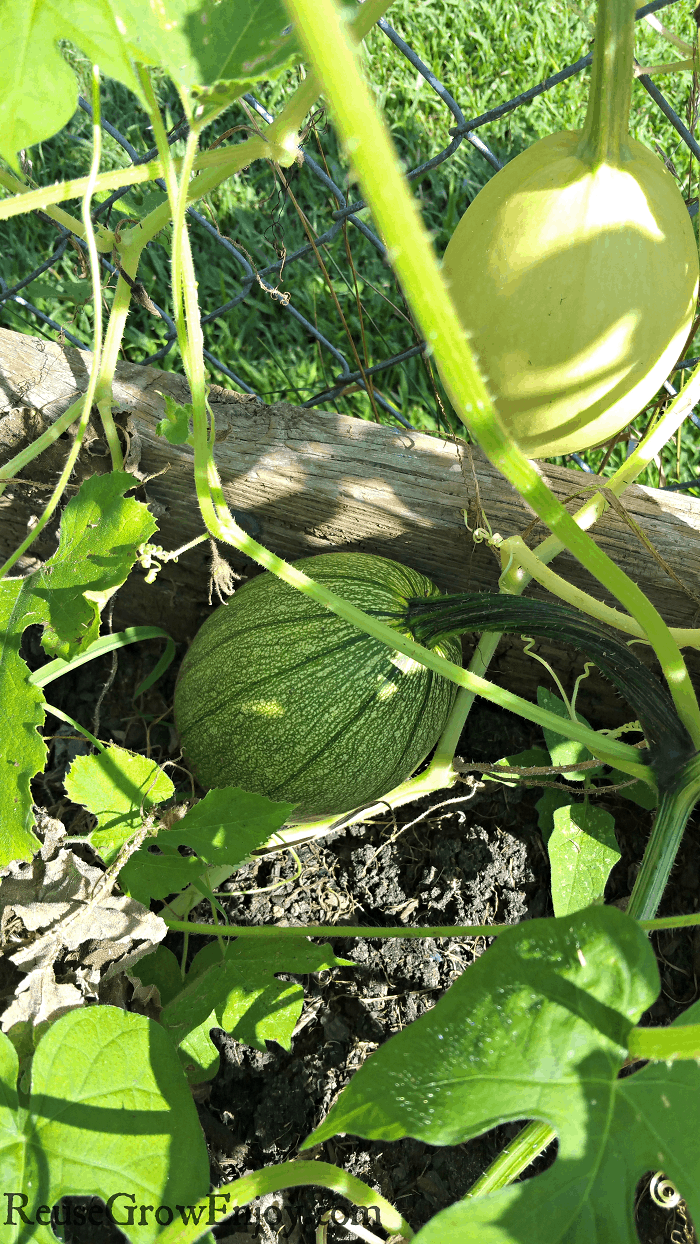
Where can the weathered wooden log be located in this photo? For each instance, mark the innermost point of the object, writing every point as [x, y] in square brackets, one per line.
[308, 481]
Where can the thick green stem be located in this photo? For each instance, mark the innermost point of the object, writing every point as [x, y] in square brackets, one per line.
[294, 1174]
[447, 743]
[59, 192]
[515, 553]
[671, 922]
[662, 1044]
[104, 238]
[129, 261]
[362, 930]
[514, 1159]
[604, 138]
[671, 819]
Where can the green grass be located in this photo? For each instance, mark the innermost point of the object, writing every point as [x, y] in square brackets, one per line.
[485, 52]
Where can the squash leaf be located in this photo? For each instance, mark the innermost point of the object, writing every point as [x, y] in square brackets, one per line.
[565, 751]
[237, 991]
[175, 427]
[538, 1028]
[199, 43]
[100, 533]
[76, 293]
[638, 792]
[533, 758]
[582, 852]
[22, 749]
[115, 786]
[118, 786]
[546, 806]
[223, 828]
[109, 1110]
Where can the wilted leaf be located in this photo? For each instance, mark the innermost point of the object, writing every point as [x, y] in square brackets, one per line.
[38, 999]
[56, 899]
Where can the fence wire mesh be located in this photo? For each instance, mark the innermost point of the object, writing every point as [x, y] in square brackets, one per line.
[347, 377]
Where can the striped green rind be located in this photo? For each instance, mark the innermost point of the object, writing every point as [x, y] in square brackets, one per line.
[280, 696]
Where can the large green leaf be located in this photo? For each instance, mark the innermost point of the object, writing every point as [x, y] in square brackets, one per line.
[119, 787]
[109, 1113]
[39, 91]
[538, 1028]
[198, 42]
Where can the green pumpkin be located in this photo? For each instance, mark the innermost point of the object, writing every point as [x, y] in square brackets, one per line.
[280, 696]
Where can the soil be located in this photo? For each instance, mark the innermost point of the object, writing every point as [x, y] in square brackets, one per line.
[479, 858]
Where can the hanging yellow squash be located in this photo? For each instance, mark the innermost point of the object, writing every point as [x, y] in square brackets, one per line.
[575, 269]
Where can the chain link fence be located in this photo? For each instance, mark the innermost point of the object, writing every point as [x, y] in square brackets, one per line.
[252, 278]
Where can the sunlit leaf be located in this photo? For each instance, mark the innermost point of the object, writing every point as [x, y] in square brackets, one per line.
[109, 1113]
[223, 828]
[118, 787]
[22, 749]
[538, 1028]
[212, 49]
[583, 851]
[238, 991]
